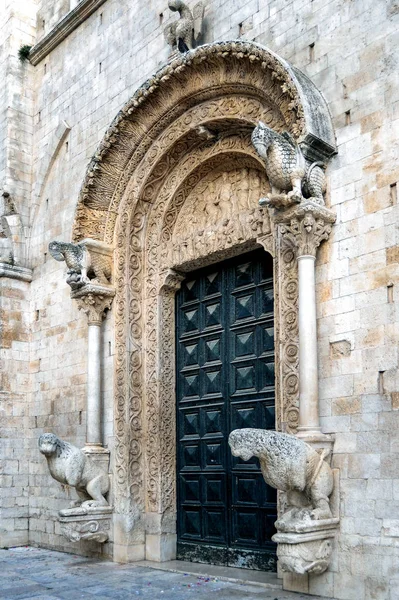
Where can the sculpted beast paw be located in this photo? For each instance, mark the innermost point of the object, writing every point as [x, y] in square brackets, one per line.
[294, 196]
[321, 513]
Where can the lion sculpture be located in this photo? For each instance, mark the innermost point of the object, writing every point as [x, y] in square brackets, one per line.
[290, 465]
[70, 466]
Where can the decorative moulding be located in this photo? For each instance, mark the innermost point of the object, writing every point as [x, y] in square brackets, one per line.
[61, 31]
[15, 272]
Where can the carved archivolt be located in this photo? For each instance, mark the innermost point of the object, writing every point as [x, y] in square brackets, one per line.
[174, 186]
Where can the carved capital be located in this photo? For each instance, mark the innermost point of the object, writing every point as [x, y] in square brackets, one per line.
[94, 300]
[172, 281]
[305, 226]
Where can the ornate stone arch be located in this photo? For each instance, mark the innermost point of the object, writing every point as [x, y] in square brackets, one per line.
[183, 138]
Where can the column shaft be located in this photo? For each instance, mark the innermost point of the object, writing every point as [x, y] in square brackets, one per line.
[308, 374]
[93, 430]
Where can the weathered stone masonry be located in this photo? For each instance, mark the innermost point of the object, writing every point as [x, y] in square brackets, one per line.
[69, 99]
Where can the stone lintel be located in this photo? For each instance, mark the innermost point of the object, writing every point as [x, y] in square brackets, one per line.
[63, 28]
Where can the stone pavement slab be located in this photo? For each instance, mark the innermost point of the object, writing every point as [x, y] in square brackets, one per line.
[31, 573]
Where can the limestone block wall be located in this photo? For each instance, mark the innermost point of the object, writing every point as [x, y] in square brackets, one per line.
[350, 50]
[14, 414]
[16, 128]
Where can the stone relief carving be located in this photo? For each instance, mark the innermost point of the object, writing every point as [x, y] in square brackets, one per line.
[181, 34]
[292, 177]
[222, 211]
[83, 265]
[305, 226]
[70, 466]
[94, 301]
[307, 524]
[90, 525]
[120, 152]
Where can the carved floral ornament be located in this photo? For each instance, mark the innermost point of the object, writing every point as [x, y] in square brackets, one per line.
[157, 190]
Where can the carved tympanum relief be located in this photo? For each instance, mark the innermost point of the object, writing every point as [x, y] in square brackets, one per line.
[221, 211]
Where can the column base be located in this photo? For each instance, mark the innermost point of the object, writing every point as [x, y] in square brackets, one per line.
[317, 439]
[160, 547]
[92, 448]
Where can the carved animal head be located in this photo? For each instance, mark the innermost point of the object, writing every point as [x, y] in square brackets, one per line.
[49, 443]
[262, 137]
[241, 443]
[56, 250]
[175, 5]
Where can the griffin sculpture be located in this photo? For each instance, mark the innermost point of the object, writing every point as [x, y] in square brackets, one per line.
[291, 176]
[82, 267]
[180, 35]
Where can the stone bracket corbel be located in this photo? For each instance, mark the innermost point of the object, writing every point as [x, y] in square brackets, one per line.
[304, 546]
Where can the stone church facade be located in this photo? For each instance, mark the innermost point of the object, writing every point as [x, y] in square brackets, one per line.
[178, 308]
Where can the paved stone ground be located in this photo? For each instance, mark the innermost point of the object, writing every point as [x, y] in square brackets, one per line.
[27, 573]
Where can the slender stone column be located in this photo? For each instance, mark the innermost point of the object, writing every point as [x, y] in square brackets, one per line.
[93, 431]
[94, 300]
[305, 226]
[308, 375]
[89, 265]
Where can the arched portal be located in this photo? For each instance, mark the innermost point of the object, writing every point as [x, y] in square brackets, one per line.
[175, 186]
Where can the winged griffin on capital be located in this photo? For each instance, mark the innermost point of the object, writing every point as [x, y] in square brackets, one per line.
[291, 176]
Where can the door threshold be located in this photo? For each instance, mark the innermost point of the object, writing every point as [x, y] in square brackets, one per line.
[233, 574]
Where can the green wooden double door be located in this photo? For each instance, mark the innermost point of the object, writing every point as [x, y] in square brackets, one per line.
[225, 381]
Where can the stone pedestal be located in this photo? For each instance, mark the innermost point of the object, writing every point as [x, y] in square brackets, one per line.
[89, 524]
[305, 546]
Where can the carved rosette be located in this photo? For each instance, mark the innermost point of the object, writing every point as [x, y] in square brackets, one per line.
[94, 300]
[305, 226]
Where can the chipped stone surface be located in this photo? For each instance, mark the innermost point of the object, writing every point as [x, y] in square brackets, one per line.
[340, 349]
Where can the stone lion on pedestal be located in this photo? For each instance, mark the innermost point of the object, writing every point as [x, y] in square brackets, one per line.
[290, 465]
[70, 466]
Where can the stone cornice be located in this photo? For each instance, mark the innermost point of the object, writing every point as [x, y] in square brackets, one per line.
[63, 28]
[15, 272]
